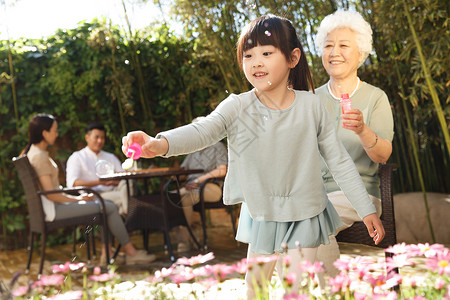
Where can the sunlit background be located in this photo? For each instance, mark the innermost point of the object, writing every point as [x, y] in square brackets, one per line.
[41, 18]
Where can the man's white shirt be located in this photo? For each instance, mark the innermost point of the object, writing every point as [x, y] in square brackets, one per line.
[81, 166]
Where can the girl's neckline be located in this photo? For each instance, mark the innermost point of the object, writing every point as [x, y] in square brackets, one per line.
[338, 98]
[274, 109]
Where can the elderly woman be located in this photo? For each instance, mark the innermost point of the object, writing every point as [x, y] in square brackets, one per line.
[344, 39]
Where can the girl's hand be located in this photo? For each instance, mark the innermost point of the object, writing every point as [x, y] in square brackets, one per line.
[151, 147]
[374, 227]
[353, 120]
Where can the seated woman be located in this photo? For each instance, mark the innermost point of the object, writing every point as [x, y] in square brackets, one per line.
[366, 130]
[42, 131]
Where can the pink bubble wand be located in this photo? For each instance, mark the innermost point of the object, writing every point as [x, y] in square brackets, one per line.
[134, 152]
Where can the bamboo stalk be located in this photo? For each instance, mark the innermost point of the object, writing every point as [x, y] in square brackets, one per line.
[415, 152]
[433, 93]
[141, 84]
[13, 86]
[116, 88]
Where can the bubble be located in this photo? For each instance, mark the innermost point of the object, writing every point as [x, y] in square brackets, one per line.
[270, 83]
[267, 32]
[249, 41]
[250, 4]
[103, 167]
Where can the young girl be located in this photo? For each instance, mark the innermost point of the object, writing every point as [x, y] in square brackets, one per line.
[276, 133]
[42, 132]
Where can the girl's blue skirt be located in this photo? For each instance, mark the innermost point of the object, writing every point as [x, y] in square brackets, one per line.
[267, 237]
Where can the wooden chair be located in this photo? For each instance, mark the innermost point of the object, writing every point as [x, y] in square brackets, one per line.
[30, 183]
[357, 233]
[202, 206]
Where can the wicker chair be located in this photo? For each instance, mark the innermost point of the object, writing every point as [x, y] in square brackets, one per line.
[30, 183]
[153, 213]
[357, 233]
[202, 206]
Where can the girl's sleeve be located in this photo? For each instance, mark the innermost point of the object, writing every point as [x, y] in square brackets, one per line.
[341, 165]
[207, 132]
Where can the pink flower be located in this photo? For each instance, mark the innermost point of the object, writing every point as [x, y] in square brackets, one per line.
[102, 277]
[311, 268]
[290, 278]
[49, 280]
[209, 282]
[294, 296]
[440, 263]
[97, 270]
[220, 271]
[360, 273]
[439, 284]
[359, 295]
[161, 274]
[181, 277]
[202, 271]
[352, 263]
[398, 261]
[339, 283]
[393, 280]
[398, 249]
[62, 268]
[264, 259]
[70, 295]
[286, 261]
[67, 267]
[430, 251]
[20, 291]
[384, 296]
[195, 260]
[241, 266]
[374, 281]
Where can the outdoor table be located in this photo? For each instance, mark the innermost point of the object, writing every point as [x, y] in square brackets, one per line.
[153, 211]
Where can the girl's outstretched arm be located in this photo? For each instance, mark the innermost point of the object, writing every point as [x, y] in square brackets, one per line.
[151, 147]
[375, 227]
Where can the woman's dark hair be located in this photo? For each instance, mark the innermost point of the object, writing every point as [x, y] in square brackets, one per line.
[278, 32]
[37, 125]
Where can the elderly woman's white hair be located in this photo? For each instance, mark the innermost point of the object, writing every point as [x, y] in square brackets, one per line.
[347, 19]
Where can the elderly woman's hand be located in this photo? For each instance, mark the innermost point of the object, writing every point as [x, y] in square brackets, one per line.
[353, 120]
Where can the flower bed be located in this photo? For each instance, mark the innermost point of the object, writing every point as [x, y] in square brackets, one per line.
[424, 274]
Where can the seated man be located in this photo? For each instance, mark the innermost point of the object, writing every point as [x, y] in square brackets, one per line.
[213, 160]
[81, 171]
